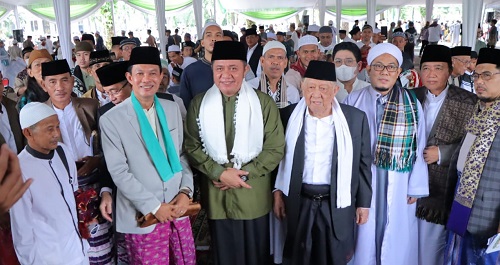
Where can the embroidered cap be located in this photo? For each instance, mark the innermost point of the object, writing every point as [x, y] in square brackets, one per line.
[34, 112]
[383, 48]
[321, 70]
[273, 45]
[56, 67]
[112, 73]
[229, 50]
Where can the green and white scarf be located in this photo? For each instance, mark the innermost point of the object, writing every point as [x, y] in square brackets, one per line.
[397, 135]
[167, 164]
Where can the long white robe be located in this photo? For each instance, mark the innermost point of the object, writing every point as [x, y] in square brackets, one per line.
[400, 243]
[44, 221]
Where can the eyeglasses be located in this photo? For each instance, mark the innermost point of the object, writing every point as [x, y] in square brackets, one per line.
[347, 62]
[380, 67]
[115, 92]
[462, 61]
[485, 75]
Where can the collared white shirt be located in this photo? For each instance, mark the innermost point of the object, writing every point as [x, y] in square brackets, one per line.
[324, 49]
[72, 132]
[250, 74]
[357, 85]
[44, 221]
[102, 100]
[432, 105]
[319, 137]
[151, 115]
[361, 44]
[347, 39]
[6, 131]
[185, 63]
[250, 52]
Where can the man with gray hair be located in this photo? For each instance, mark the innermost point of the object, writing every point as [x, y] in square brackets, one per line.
[398, 139]
[44, 221]
[272, 80]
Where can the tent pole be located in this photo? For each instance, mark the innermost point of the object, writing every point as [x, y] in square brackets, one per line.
[429, 9]
[16, 15]
[61, 10]
[371, 12]
[338, 18]
[160, 21]
[112, 3]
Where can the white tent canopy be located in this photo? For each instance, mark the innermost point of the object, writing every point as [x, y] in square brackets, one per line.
[64, 11]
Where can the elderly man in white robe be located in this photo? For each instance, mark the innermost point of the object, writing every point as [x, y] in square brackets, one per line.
[44, 221]
[400, 176]
[272, 80]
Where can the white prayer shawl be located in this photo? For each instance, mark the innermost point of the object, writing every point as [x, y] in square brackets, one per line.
[248, 122]
[344, 149]
[400, 241]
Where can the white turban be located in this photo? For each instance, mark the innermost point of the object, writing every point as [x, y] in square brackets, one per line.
[382, 48]
[33, 113]
[273, 45]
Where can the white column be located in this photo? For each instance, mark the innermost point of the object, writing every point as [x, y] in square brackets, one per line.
[61, 9]
[429, 8]
[112, 3]
[471, 12]
[16, 15]
[198, 16]
[371, 8]
[215, 10]
[338, 18]
[397, 13]
[321, 12]
[160, 21]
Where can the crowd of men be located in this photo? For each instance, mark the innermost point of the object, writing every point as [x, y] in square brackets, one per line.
[301, 149]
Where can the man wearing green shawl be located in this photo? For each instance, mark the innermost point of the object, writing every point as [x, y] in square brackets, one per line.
[234, 137]
[142, 143]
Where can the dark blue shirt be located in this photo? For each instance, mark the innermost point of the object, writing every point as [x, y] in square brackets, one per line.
[196, 79]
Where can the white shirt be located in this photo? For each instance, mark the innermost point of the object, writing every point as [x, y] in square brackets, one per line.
[6, 131]
[434, 33]
[102, 101]
[44, 220]
[259, 66]
[432, 105]
[361, 44]
[324, 49]
[319, 138]
[72, 132]
[292, 93]
[295, 38]
[187, 61]
[49, 45]
[347, 39]
[357, 85]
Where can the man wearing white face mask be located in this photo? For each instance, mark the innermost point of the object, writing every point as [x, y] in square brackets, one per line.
[347, 60]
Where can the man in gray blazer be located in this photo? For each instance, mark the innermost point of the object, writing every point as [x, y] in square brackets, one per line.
[475, 215]
[142, 139]
[323, 185]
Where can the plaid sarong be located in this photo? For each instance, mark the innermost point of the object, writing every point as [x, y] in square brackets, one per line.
[397, 135]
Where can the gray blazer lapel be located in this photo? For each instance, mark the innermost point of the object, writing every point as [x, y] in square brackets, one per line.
[133, 120]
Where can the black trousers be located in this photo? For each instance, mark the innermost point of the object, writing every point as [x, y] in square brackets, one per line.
[240, 242]
[424, 44]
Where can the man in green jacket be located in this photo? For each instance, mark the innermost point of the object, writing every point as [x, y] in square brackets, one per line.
[234, 137]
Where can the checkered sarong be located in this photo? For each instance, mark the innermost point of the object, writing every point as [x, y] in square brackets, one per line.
[397, 135]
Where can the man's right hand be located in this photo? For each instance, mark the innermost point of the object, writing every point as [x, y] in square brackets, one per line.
[279, 205]
[165, 213]
[231, 177]
[106, 206]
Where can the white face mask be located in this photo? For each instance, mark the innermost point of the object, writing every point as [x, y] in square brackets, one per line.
[27, 60]
[345, 73]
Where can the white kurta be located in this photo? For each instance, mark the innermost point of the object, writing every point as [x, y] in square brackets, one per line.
[342, 94]
[72, 132]
[185, 63]
[400, 241]
[44, 220]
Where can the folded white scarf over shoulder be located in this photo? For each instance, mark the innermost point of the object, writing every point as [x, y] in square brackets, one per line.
[248, 122]
[344, 150]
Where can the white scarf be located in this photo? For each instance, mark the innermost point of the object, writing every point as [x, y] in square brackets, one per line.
[248, 122]
[344, 148]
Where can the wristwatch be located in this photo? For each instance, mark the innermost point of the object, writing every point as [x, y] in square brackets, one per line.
[187, 192]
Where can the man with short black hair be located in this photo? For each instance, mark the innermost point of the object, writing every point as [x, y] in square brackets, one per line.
[447, 110]
[150, 40]
[115, 48]
[474, 216]
[149, 168]
[347, 60]
[326, 42]
[28, 43]
[254, 51]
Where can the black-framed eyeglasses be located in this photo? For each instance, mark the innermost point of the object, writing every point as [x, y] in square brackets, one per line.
[115, 92]
[485, 75]
[380, 67]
